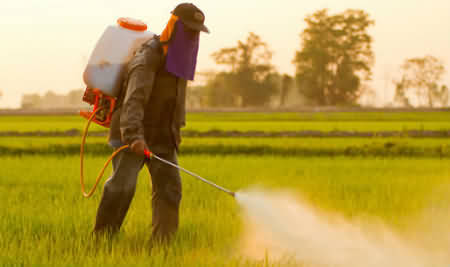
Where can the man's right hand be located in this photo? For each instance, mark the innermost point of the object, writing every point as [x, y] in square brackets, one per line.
[139, 146]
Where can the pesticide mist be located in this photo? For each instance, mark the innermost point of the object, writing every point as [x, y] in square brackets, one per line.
[289, 229]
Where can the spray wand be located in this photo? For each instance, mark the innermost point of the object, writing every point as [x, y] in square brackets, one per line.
[148, 155]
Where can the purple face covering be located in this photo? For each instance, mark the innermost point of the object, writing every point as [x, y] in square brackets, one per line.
[182, 52]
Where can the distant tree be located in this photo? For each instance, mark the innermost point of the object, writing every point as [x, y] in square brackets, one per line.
[219, 90]
[400, 95]
[421, 77]
[250, 76]
[335, 58]
[286, 85]
[195, 96]
[444, 95]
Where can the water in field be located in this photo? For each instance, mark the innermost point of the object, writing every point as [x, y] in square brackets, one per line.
[282, 227]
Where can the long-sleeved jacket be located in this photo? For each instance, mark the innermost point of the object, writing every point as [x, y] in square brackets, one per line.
[153, 107]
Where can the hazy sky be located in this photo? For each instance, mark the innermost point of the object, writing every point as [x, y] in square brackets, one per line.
[45, 44]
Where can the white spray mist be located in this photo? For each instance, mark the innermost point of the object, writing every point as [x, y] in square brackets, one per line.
[311, 238]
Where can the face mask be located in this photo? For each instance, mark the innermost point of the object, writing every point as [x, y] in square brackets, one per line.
[182, 52]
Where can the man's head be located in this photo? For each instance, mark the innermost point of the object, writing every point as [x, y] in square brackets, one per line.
[191, 16]
[180, 40]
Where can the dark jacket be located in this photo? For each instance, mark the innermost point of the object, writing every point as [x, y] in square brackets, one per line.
[153, 105]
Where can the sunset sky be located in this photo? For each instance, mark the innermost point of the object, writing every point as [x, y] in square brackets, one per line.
[45, 44]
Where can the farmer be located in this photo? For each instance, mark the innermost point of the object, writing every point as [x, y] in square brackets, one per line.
[151, 113]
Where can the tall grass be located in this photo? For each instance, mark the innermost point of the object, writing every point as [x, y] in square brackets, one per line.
[272, 122]
[45, 221]
[354, 146]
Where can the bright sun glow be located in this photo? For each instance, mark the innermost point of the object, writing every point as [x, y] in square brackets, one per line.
[46, 43]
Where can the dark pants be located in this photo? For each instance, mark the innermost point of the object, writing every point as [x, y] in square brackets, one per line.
[119, 190]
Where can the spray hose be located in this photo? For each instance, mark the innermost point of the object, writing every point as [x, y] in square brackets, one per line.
[102, 171]
[148, 154]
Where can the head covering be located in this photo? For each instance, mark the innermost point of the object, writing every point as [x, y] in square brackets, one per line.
[167, 33]
[191, 16]
[182, 52]
[180, 40]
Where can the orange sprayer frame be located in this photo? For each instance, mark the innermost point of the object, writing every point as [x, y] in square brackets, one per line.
[100, 101]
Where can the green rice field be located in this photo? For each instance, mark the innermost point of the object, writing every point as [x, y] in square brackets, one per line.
[400, 182]
[271, 122]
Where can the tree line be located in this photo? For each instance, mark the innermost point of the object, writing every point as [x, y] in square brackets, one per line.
[51, 100]
[333, 67]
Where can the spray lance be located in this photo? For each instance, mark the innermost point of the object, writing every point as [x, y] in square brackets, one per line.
[148, 155]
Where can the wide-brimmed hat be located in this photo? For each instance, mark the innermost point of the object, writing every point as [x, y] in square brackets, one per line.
[191, 16]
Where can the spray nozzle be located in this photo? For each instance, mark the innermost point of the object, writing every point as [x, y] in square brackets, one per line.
[148, 154]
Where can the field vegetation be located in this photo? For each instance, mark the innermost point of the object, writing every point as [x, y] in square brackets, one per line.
[400, 182]
[269, 122]
[47, 222]
[259, 146]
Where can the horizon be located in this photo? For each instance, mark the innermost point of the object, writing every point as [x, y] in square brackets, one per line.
[46, 44]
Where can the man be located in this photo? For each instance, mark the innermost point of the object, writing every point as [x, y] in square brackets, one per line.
[150, 117]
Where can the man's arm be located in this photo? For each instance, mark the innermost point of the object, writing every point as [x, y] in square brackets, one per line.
[142, 72]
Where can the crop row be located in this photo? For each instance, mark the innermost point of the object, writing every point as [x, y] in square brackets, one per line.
[270, 122]
[77, 124]
[380, 147]
[442, 115]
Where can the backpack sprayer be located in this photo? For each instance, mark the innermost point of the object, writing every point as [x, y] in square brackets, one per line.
[102, 103]
[105, 70]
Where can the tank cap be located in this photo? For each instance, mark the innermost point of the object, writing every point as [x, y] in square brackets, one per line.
[132, 24]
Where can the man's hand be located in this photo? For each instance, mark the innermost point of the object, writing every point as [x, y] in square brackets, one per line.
[139, 146]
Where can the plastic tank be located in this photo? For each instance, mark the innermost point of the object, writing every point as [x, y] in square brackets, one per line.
[110, 56]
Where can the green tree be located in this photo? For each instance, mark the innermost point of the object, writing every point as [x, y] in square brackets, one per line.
[250, 78]
[400, 94]
[286, 85]
[420, 77]
[218, 90]
[335, 58]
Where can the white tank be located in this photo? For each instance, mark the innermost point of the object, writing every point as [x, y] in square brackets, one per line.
[109, 59]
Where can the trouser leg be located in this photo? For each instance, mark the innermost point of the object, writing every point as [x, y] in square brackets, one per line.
[118, 192]
[166, 197]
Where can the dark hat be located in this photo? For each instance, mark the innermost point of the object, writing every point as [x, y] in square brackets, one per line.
[191, 16]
